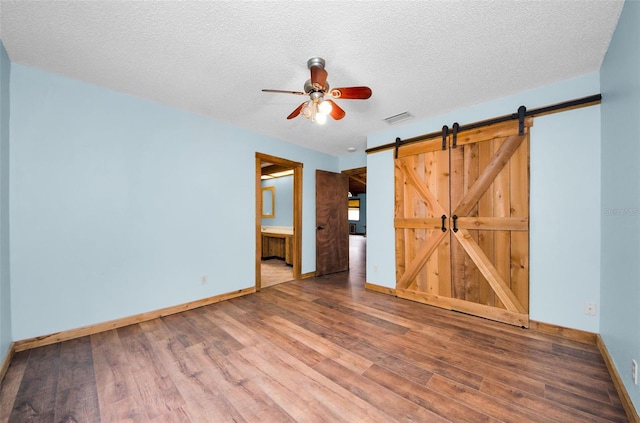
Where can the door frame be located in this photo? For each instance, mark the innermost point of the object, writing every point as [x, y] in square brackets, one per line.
[297, 213]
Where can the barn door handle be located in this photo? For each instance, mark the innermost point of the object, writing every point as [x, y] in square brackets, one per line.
[455, 223]
[444, 219]
[320, 228]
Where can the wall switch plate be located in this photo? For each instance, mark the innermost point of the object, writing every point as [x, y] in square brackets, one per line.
[634, 371]
[590, 309]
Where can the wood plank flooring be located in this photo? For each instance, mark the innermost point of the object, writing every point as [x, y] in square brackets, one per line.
[275, 271]
[313, 350]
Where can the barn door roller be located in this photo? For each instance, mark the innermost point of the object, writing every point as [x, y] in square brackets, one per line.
[521, 113]
[445, 132]
[456, 128]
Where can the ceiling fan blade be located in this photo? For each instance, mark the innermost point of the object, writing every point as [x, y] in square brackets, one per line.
[318, 77]
[353, 93]
[284, 92]
[336, 111]
[296, 112]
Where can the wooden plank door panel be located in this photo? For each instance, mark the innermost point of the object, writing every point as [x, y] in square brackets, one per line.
[489, 194]
[422, 198]
[519, 193]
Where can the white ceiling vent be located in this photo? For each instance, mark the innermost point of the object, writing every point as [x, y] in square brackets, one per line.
[398, 118]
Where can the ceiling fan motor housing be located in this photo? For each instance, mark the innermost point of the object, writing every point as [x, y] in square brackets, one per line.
[309, 87]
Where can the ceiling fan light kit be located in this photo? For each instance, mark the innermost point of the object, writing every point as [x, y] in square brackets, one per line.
[317, 108]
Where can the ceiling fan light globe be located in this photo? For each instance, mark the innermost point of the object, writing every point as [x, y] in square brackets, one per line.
[306, 111]
[321, 118]
[325, 107]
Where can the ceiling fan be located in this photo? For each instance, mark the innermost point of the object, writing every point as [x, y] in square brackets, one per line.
[318, 107]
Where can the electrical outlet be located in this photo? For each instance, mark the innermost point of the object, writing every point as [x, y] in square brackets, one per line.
[590, 309]
[634, 371]
[203, 280]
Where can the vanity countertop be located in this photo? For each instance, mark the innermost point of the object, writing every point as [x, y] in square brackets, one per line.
[279, 230]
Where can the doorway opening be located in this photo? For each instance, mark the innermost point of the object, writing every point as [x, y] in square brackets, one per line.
[357, 200]
[357, 217]
[340, 214]
[276, 239]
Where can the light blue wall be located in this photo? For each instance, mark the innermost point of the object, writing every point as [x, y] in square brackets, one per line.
[5, 285]
[283, 201]
[555, 140]
[381, 252]
[116, 204]
[620, 79]
[565, 218]
[352, 160]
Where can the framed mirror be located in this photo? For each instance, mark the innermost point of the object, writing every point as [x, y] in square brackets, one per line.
[268, 202]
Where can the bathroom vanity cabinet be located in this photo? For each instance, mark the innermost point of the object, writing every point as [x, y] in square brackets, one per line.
[277, 245]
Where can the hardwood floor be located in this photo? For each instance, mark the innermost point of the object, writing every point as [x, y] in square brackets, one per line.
[275, 271]
[320, 349]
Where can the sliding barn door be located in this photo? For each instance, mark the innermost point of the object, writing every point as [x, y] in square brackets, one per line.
[462, 221]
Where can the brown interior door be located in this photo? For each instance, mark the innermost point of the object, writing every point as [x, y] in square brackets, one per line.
[477, 262]
[332, 226]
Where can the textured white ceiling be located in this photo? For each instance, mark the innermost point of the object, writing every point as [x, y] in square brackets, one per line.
[214, 57]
